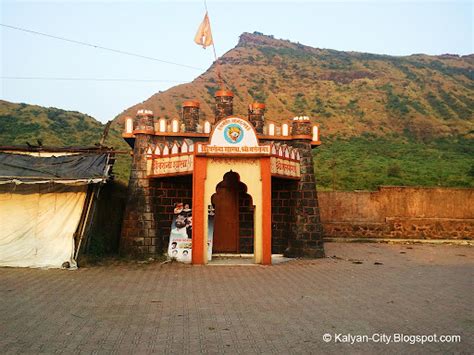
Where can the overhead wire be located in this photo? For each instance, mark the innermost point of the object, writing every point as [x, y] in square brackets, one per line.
[131, 80]
[100, 47]
[89, 79]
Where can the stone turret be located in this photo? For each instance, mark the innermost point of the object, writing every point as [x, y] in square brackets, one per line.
[190, 115]
[256, 116]
[224, 104]
[307, 239]
[138, 228]
[301, 127]
[144, 121]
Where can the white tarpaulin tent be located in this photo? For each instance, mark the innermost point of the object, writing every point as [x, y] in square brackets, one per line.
[38, 224]
[43, 203]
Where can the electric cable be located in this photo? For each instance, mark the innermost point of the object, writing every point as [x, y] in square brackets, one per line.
[100, 47]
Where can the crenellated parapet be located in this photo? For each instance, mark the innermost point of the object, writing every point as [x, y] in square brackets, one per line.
[297, 128]
[162, 126]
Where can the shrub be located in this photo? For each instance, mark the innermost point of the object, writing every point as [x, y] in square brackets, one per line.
[394, 170]
[438, 106]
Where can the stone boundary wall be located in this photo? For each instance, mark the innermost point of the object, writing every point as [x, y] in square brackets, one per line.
[399, 212]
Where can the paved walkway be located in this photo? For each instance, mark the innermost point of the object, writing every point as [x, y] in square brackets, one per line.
[360, 289]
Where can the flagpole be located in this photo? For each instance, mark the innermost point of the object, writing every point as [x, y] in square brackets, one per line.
[218, 69]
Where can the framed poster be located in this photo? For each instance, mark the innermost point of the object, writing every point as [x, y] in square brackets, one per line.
[180, 245]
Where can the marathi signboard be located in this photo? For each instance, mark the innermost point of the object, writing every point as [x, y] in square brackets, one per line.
[285, 167]
[233, 136]
[264, 149]
[171, 165]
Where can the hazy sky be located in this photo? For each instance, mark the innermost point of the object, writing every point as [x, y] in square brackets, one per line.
[165, 30]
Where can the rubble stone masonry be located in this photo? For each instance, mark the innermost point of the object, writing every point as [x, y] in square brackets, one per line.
[307, 234]
[138, 227]
[224, 104]
[399, 212]
[256, 112]
[149, 211]
[190, 115]
[283, 210]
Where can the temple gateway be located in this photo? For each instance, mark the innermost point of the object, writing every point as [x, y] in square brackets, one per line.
[249, 183]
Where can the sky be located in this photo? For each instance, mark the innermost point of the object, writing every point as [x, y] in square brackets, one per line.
[165, 30]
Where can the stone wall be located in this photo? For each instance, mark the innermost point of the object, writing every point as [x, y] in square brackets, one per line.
[283, 220]
[246, 223]
[399, 212]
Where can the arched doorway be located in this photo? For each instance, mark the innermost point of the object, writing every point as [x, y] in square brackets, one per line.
[234, 220]
[255, 174]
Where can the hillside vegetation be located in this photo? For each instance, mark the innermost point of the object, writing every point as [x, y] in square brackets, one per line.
[363, 163]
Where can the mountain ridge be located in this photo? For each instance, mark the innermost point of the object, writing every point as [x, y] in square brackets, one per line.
[262, 39]
[348, 93]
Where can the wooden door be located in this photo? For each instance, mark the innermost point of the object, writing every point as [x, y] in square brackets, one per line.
[226, 220]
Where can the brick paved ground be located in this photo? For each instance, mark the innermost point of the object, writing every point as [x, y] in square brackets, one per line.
[125, 308]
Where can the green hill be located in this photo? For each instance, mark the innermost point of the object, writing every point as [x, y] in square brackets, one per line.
[365, 162]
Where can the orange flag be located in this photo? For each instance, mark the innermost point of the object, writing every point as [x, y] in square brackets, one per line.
[203, 35]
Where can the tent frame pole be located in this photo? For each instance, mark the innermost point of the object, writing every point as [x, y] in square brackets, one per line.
[84, 217]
